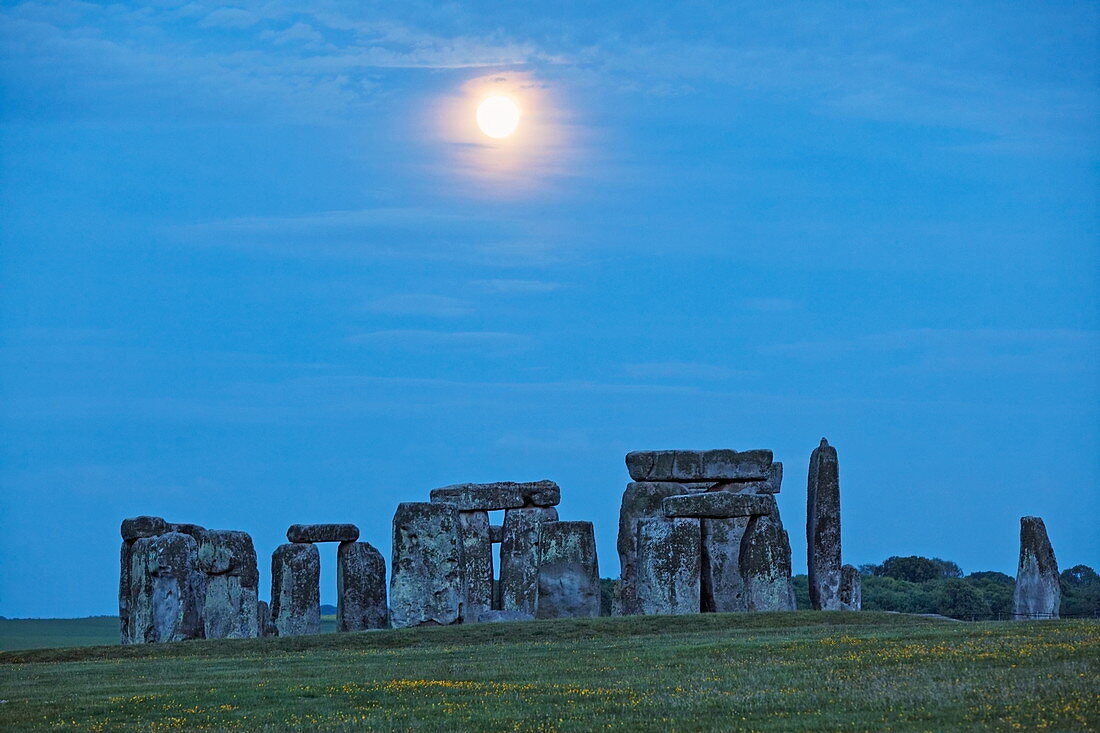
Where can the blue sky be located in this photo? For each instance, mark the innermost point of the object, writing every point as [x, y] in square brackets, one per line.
[255, 270]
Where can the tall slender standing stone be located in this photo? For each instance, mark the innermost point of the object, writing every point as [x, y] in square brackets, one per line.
[427, 585]
[1038, 592]
[569, 574]
[133, 529]
[668, 566]
[166, 589]
[229, 560]
[723, 588]
[766, 565]
[851, 589]
[296, 589]
[477, 549]
[360, 588]
[519, 557]
[823, 528]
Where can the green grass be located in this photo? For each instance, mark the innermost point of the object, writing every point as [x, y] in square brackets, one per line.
[789, 672]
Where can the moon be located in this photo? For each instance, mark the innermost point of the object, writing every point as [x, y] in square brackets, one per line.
[498, 116]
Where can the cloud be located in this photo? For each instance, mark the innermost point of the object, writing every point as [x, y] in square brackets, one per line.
[299, 32]
[420, 304]
[412, 339]
[679, 370]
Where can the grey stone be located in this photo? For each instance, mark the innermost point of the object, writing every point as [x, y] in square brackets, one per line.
[477, 552]
[496, 534]
[718, 505]
[136, 528]
[823, 528]
[1038, 592]
[699, 465]
[770, 485]
[229, 552]
[642, 499]
[851, 589]
[322, 533]
[229, 560]
[427, 585]
[166, 589]
[519, 557]
[195, 530]
[495, 617]
[296, 590]
[766, 565]
[498, 495]
[263, 619]
[569, 573]
[124, 591]
[722, 588]
[360, 588]
[668, 569]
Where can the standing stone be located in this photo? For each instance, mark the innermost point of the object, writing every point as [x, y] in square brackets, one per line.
[166, 589]
[263, 619]
[723, 589]
[296, 589]
[360, 588]
[823, 528]
[427, 585]
[1038, 592]
[569, 574]
[851, 589]
[229, 560]
[641, 500]
[519, 557]
[668, 566]
[477, 552]
[124, 574]
[766, 565]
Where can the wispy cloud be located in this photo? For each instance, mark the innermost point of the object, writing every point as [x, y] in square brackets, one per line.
[413, 339]
[420, 304]
[680, 370]
[516, 287]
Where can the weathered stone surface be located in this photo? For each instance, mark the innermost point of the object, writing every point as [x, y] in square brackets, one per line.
[699, 465]
[360, 588]
[322, 533]
[568, 571]
[498, 495]
[718, 505]
[1038, 593]
[229, 552]
[496, 534]
[766, 565]
[823, 528]
[495, 617]
[770, 485]
[166, 589]
[124, 591]
[295, 589]
[851, 589]
[722, 588]
[642, 499]
[263, 619]
[229, 560]
[135, 528]
[477, 551]
[427, 585]
[519, 557]
[668, 566]
[195, 530]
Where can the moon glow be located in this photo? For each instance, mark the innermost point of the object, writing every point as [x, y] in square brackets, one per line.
[498, 116]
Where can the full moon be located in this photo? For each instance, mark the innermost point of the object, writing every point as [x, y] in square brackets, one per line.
[498, 116]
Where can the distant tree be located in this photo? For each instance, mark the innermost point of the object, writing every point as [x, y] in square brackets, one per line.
[607, 595]
[958, 599]
[882, 593]
[1080, 575]
[917, 569]
[801, 585]
[992, 575]
[869, 568]
[1080, 592]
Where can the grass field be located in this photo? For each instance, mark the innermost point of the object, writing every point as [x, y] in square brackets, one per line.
[791, 671]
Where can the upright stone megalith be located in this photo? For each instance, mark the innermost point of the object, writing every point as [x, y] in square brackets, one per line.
[477, 553]
[765, 562]
[166, 589]
[360, 588]
[1038, 593]
[296, 589]
[519, 557]
[668, 565]
[427, 584]
[851, 589]
[229, 560]
[132, 529]
[823, 528]
[568, 571]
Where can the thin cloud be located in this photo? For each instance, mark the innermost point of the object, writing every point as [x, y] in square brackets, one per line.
[420, 304]
[458, 340]
[516, 287]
